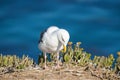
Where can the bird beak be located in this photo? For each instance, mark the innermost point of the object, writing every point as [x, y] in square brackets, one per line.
[64, 48]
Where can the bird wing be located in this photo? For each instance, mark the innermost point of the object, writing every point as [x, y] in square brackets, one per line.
[51, 41]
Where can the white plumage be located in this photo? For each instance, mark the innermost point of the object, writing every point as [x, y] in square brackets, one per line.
[53, 40]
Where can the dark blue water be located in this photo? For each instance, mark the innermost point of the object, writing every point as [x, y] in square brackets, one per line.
[96, 23]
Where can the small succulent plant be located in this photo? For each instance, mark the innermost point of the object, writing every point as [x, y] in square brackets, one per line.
[68, 56]
[14, 61]
[103, 62]
[117, 64]
[76, 55]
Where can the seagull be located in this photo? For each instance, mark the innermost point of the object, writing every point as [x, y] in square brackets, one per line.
[53, 40]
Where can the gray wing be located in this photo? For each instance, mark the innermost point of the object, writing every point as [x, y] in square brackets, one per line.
[41, 35]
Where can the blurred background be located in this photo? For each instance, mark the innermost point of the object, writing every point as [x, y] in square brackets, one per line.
[95, 23]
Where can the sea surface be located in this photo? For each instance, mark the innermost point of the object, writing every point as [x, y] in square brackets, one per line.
[95, 23]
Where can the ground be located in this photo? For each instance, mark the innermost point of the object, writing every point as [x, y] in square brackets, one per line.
[76, 73]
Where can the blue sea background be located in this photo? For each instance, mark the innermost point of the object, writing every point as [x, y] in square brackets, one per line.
[95, 23]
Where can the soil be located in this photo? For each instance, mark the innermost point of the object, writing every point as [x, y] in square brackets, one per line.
[68, 73]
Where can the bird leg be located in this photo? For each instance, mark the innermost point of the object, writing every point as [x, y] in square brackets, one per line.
[58, 66]
[45, 57]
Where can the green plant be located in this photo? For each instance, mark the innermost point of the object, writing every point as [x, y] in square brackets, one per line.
[68, 56]
[14, 61]
[117, 64]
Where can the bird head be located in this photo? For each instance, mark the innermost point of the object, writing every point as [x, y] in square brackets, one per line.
[63, 37]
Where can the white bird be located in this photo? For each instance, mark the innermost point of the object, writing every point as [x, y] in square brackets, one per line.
[53, 40]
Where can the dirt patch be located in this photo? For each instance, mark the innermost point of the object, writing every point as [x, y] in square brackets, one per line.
[76, 73]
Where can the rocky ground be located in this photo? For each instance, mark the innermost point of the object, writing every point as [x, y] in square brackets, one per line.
[76, 73]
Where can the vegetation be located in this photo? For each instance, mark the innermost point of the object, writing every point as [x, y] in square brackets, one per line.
[14, 61]
[100, 66]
